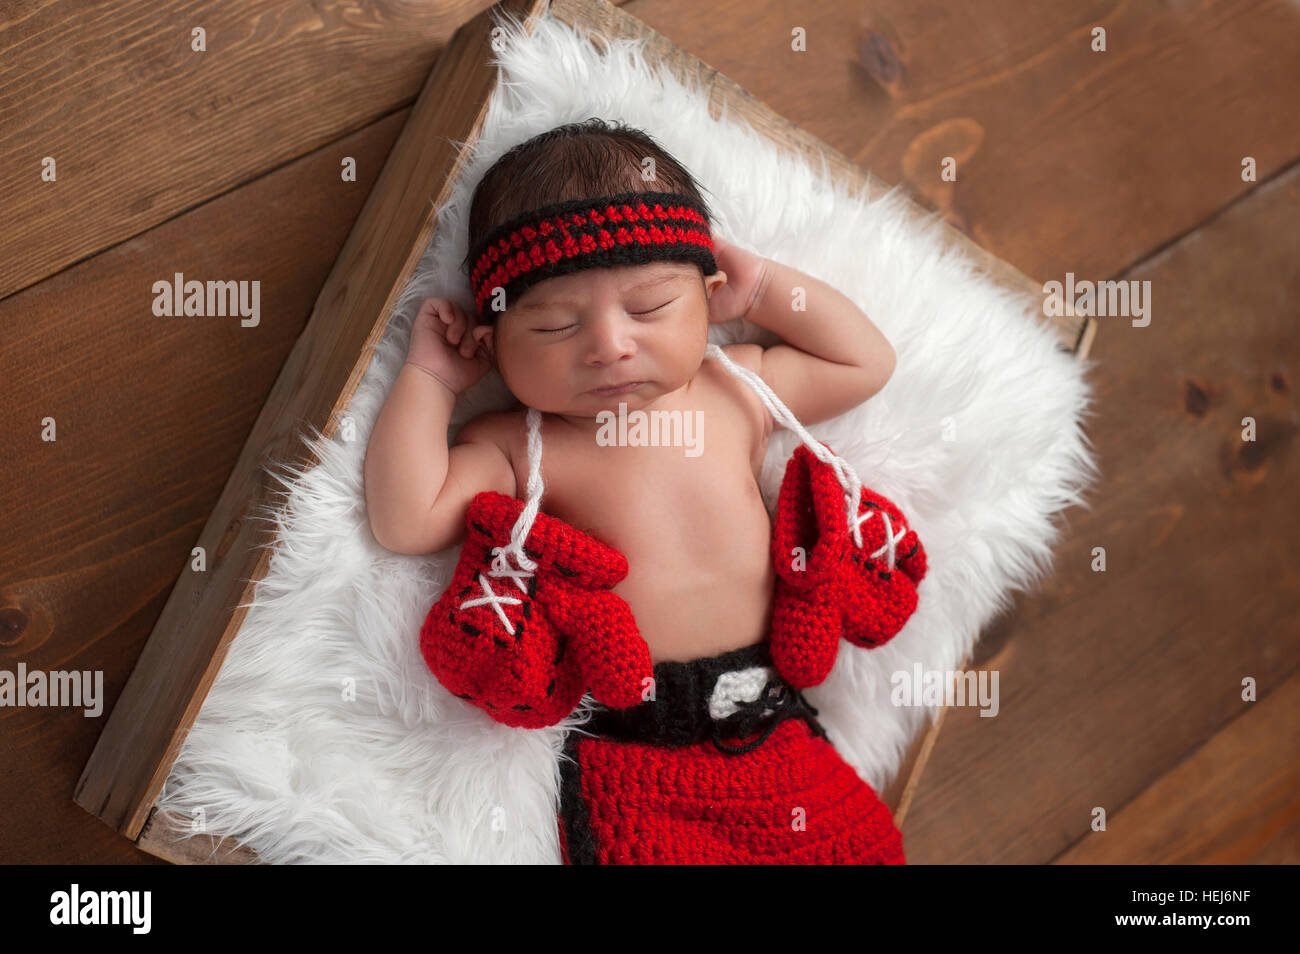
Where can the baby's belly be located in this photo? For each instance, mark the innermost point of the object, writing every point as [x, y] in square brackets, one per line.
[691, 603]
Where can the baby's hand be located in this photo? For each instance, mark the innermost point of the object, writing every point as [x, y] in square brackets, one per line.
[441, 344]
[746, 274]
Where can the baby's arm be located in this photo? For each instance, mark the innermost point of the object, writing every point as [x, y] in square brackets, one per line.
[832, 358]
[417, 488]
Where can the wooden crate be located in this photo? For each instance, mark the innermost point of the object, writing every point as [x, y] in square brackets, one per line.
[140, 741]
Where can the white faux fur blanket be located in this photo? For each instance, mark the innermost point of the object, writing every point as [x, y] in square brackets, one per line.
[325, 737]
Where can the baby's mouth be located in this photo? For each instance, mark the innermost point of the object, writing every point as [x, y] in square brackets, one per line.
[623, 389]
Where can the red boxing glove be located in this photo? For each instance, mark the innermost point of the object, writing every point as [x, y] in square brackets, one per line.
[810, 545]
[828, 587]
[882, 594]
[525, 645]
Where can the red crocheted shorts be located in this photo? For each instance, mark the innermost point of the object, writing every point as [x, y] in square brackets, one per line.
[726, 765]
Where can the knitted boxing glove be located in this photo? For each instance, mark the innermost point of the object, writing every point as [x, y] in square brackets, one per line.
[828, 586]
[881, 596]
[523, 643]
[810, 545]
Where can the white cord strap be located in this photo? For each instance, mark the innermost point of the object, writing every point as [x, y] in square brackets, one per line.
[501, 556]
[844, 471]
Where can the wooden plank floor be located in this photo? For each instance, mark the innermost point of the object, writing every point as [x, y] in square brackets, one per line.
[1120, 690]
[1112, 680]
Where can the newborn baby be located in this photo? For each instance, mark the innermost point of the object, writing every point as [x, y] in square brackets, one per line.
[593, 310]
[690, 520]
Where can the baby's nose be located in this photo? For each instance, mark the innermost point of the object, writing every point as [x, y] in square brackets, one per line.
[611, 339]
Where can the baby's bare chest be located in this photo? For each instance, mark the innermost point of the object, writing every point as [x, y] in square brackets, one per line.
[686, 514]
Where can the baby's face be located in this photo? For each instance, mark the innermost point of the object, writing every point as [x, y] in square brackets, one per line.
[570, 334]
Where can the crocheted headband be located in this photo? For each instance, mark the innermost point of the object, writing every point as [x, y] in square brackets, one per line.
[630, 228]
[844, 472]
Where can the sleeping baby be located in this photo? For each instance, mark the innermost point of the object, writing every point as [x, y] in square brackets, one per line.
[635, 559]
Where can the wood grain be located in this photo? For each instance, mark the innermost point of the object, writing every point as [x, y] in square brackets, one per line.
[1234, 801]
[201, 617]
[1067, 159]
[151, 416]
[142, 127]
[1115, 677]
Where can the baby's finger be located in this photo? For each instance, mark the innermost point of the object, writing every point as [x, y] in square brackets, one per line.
[443, 311]
[469, 344]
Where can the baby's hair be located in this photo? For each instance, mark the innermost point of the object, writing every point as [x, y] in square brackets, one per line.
[577, 160]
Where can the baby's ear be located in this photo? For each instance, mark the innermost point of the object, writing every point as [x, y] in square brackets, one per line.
[713, 282]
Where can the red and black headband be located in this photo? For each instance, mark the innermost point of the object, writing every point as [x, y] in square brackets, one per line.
[630, 228]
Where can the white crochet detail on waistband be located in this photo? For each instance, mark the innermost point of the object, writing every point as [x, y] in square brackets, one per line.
[739, 685]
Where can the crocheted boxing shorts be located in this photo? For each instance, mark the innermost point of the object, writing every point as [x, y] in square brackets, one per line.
[726, 765]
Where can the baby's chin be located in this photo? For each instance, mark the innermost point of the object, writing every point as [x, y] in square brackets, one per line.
[589, 405]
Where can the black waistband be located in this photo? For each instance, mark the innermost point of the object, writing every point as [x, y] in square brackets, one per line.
[679, 713]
